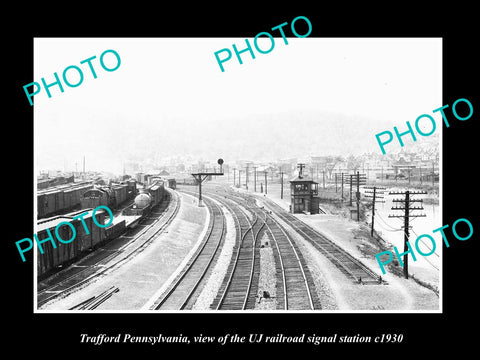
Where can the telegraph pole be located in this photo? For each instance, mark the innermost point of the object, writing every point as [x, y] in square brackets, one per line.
[281, 184]
[246, 178]
[234, 176]
[406, 217]
[255, 179]
[358, 195]
[239, 178]
[361, 180]
[374, 200]
[357, 179]
[300, 171]
[351, 182]
[265, 181]
[342, 187]
[433, 174]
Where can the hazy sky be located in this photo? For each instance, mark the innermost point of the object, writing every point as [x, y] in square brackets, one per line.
[169, 98]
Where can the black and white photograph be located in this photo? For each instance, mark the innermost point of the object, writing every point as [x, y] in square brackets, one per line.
[258, 195]
[262, 182]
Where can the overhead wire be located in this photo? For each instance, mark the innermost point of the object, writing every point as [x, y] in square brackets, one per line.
[425, 258]
[394, 230]
[435, 253]
[386, 224]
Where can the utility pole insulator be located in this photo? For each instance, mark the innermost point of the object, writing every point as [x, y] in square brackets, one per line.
[406, 216]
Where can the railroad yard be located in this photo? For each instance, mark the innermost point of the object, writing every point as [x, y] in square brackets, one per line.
[240, 251]
[244, 199]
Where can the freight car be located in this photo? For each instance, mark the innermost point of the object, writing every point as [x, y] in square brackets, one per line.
[66, 253]
[131, 188]
[141, 205]
[128, 190]
[60, 199]
[157, 192]
[119, 194]
[152, 179]
[112, 196]
[142, 178]
[172, 183]
[146, 200]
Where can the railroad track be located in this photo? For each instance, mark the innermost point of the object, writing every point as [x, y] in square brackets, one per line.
[257, 230]
[237, 291]
[95, 301]
[346, 263]
[297, 287]
[88, 273]
[182, 293]
[297, 282]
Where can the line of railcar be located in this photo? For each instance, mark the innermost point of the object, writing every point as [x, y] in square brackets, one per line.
[147, 199]
[60, 199]
[56, 258]
[82, 195]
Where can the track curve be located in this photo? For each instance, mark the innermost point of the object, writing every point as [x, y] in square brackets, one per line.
[184, 290]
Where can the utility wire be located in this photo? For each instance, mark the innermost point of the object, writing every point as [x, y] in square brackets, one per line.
[428, 261]
[393, 230]
[435, 253]
[386, 224]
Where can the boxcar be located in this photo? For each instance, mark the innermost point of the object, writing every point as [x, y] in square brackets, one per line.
[60, 199]
[65, 253]
[172, 183]
[156, 192]
[120, 194]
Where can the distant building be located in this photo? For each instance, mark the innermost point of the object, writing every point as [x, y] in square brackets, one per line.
[402, 168]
